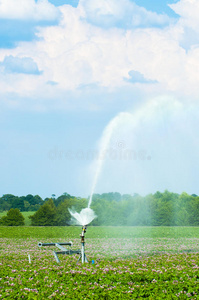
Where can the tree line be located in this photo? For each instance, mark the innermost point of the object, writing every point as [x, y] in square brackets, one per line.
[112, 209]
[29, 202]
[159, 209]
[23, 203]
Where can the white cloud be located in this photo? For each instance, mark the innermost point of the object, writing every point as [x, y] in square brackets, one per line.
[76, 53]
[157, 55]
[28, 10]
[123, 13]
[188, 24]
[188, 11]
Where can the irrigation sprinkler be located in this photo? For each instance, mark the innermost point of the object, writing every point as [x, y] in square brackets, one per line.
[82, 253]
[61, 247]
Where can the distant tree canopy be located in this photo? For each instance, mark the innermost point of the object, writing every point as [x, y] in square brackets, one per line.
[49, 215]
[159, 209]
[23, 203]
[13, 218]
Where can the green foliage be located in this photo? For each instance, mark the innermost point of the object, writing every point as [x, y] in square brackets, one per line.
[63, 216]
[62, 198]
[23, 203]
[25, 214]
[158, 277]
[160, 209]
[45, 216]
[119, 271]
[102, 232]
[193, 209]
[49, 215]
[112, 209]
[13, 218]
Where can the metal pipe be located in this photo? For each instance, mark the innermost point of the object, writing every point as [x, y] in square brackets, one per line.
[68, 252]
[54, 244]
[82, 235]
[83, 253]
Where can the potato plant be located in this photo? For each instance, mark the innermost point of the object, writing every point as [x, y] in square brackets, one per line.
[128, 267]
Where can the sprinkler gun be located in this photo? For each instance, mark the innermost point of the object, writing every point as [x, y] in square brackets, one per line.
[82, 254]
[82, 235]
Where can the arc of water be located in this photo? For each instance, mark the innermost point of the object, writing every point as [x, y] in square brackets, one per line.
[146, 111]
[104, 146]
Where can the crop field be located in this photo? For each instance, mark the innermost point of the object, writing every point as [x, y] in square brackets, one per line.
[124, 263]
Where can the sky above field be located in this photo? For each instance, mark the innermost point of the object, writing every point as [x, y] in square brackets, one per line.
[67, 68]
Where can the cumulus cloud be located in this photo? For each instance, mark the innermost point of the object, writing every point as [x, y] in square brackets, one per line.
[28, 10]
[19, 20]
[188, 11]
[76, 54]
[124, 14]
[188, 24]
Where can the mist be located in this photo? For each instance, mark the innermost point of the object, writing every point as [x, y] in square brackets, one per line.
[148, 149]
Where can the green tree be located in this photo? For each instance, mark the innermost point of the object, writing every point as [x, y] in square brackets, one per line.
[4, 205]
[62, 198]
[45, 216]
[13, 218]
[193, 210]
[63, 216]
[182, 217]
[17, 202]
[111, 196]
[33, 200]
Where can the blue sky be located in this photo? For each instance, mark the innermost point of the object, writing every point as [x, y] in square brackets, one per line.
[159, 7]
[67, 68]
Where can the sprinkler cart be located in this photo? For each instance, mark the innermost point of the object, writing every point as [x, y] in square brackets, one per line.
[81, 251]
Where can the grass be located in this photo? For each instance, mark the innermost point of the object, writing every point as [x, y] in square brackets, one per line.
[99, 232]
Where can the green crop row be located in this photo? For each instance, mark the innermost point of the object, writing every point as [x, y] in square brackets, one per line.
[137, 265]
